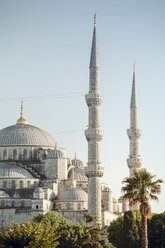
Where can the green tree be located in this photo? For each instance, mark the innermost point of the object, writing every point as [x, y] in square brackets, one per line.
[115, 231]
[131, 232]
[139, 189]
[51, 230]
[156, 231]
[125, 230]
[73, 234]
[28, 235]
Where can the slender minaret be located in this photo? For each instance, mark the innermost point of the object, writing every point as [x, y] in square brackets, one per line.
[134, 161]
[94, 170]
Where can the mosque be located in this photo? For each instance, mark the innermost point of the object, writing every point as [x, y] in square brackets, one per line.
[36, 175]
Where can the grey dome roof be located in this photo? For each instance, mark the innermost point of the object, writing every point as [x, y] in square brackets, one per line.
[55, 154]
[77, 163]
[3, 194]
[107, 189]
[13, 171]
[27, 135]
[79, 174]
[73, 194]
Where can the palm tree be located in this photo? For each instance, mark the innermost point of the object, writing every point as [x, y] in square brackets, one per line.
[139, 189]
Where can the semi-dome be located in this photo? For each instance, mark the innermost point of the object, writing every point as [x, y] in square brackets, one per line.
[13, 171]
[55, 154]
[107, 189]
[26, 135]
[79, 174]
[3, 194]
[77, 163]
[73, 194]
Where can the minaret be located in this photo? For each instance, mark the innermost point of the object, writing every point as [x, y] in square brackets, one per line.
[94, 170]
[134, 161]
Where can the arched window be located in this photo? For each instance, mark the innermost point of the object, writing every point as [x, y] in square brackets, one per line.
[13, 185]
[4, 154]
[35, 154]
[35, 184]
[2, 203]
[78, 206]
[28, 184]
[14, 154]
[21, 184]
[4, 184]
[30, 155]
[24, 154]
[68, 206]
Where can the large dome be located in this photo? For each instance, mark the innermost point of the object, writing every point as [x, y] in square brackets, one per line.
[13, 171]
[26, 135]
[73, 194]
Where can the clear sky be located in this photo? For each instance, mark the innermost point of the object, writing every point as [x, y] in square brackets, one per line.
[44, 58]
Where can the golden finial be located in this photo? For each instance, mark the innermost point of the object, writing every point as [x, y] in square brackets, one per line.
[22, 107]
[75, 157]
[21, 120]
[95, 19]
[133, 67]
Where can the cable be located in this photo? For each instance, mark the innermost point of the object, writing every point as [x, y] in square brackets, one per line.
[43, 97]
[68, 132]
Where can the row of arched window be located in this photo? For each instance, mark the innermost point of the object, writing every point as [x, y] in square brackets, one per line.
[13, 203]
[69, 206]
[21, 184]
[16, 155]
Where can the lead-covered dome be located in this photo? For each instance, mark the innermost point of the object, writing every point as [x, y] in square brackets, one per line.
[3, 194]
[55, 154]
[26, 135]
[13, 171]
[73, 194]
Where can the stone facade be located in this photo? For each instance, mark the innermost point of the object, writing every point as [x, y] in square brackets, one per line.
[36, 175]
[94, 170]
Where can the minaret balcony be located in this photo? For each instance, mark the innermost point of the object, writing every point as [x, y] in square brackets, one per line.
[134, 133]
[93, 99]
[135, 162]
[94, 171]
[94, 134]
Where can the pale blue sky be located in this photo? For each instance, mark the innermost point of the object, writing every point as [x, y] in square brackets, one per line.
[45, 49]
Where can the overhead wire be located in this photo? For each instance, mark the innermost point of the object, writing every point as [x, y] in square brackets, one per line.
[43, 97]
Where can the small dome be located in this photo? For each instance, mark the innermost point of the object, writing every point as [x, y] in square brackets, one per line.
[55, 154]
[73, 194]
[79, 174]
[107, 189]
[13, 171]
[26, 135]
[3, 194]
[77, 163]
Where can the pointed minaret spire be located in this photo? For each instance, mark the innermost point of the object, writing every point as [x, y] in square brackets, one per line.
[21, 120]
[134, 95]
[95, 19]
[134, 161]
[94, 60]
[94, 171]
